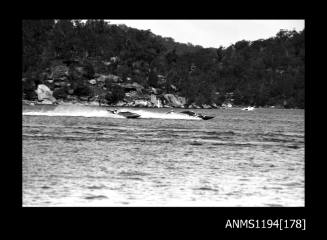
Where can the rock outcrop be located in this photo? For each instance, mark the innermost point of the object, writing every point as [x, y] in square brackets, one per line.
[120, 104]
[214, 105]
[153, 90]
[182, 100]
[205, 106]
[155, 101]
[44, 94]
[193, 105]
[64, 79]
[227, 105]
[141, 103]
[173, 101]
[92, 81]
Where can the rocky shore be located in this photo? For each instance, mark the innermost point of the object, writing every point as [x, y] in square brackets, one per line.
[75, 82]
[136, 103]
[132, 104]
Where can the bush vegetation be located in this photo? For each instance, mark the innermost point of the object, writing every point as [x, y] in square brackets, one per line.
[115, 94]
[262, 72]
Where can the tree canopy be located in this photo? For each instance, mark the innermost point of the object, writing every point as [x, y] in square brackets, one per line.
[262, 72]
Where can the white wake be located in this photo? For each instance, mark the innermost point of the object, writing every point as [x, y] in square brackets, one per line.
[87, 111]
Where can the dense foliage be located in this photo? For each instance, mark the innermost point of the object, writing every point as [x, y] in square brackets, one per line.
[115, 94]
[262, 72]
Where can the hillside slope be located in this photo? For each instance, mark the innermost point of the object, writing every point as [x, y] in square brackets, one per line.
[98, 61]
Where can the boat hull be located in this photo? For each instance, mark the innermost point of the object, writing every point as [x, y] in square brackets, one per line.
[131, 116]
[193, 114]
[126, 114]
[206, 117]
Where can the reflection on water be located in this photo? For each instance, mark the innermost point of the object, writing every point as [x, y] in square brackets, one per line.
[238, 158]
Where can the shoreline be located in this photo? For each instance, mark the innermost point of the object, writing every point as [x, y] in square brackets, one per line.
[85, 103]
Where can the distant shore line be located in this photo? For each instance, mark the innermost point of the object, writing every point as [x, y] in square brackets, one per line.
[85, 103]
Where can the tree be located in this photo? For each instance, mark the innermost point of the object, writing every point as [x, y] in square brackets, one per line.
[36, 37]
[171, 57]
[29, 88]
[153, 79]
[62, 39]
[60, 93]
[82, 91]
[265, 71]
[116, 94]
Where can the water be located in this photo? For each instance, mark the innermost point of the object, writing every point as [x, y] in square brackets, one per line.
[85, 156]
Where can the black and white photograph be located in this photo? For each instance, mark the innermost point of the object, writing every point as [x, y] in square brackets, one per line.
[163, 113]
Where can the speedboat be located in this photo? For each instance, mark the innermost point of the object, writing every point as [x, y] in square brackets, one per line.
[190, 113]
[205, 117]
[125, 114]
[248, 109]
[193, 114]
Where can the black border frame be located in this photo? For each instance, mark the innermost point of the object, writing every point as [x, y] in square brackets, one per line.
[211, 218]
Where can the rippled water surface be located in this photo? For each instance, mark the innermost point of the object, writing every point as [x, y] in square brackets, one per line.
[87, 157]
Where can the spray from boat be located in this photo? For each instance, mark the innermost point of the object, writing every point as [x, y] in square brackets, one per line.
[96, 111]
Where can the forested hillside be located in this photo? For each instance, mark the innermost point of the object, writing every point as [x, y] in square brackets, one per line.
[265, 72]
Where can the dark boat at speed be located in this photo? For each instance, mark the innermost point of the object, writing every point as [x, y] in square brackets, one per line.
[193, 114]
[125, 114]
